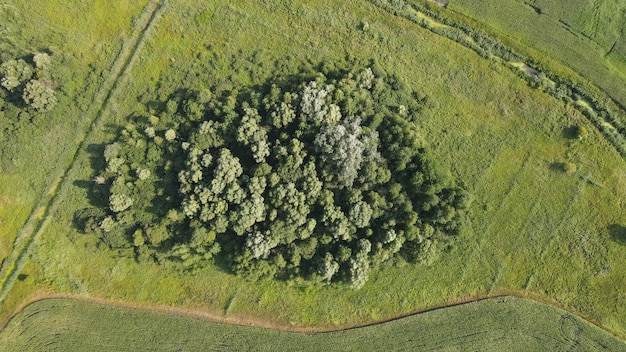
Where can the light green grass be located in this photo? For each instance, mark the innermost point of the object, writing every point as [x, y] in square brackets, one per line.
[578, 33]
[14, 209]
[532, 228]
[84, 39]
[498, 324]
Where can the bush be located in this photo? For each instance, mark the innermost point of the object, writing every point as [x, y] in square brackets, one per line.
[581, 132]
[16, 76]
[569, 168]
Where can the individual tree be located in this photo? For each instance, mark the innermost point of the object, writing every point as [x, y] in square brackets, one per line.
[313, 102]
[259, 245]
[42, 61]
[14, 73]
[119, 202]
[341, 149]
[328, 267]
[360, 265]
[39, 95]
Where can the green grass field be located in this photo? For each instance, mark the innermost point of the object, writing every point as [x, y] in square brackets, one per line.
[498, 324]
[586, 35]
[84, 40]
[533, 228]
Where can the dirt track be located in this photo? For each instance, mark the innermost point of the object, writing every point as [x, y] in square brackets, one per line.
[251, 321]
[36, 223]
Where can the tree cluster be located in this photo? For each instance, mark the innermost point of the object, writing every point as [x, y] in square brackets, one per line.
[29, 82]
[320, 179]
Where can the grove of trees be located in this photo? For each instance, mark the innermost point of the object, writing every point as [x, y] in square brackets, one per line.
[314, 177]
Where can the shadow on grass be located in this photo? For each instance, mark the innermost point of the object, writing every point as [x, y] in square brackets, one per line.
[556, 166]
[618, 233]
[96, 193]
[570, 132]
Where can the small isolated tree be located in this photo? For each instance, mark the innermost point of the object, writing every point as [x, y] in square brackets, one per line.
[39, 95]
[581, 132]
[569, 168]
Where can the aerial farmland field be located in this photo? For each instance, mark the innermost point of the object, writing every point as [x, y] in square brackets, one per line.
[482, 161]
[505, 323]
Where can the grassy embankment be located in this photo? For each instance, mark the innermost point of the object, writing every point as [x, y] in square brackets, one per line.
[534, 228]
[497, 324]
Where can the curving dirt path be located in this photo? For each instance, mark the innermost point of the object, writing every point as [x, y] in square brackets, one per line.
[257, 322]
[40, 215]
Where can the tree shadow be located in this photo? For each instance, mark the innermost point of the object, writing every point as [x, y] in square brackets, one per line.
[570, 132]
[96, 193]
[556, 166]
[618, 233]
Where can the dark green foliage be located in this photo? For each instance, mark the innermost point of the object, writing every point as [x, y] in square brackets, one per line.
[88, 220]
[320, 179]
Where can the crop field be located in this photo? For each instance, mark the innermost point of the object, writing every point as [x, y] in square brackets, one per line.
[534, 228]
[586, 35]
[497, 324]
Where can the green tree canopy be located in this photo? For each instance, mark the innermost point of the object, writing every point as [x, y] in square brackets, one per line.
[322, 179]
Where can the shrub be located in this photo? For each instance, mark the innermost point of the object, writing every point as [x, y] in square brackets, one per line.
[581, 132]
[569, 168]
[39, 95]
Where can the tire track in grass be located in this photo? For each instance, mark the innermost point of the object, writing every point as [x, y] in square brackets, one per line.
[480, 244]
[39, 217]
[554, 236]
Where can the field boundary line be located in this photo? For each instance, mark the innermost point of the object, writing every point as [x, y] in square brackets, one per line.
[609, 119]
[40, 215]
[259, 322]
[519, 42]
